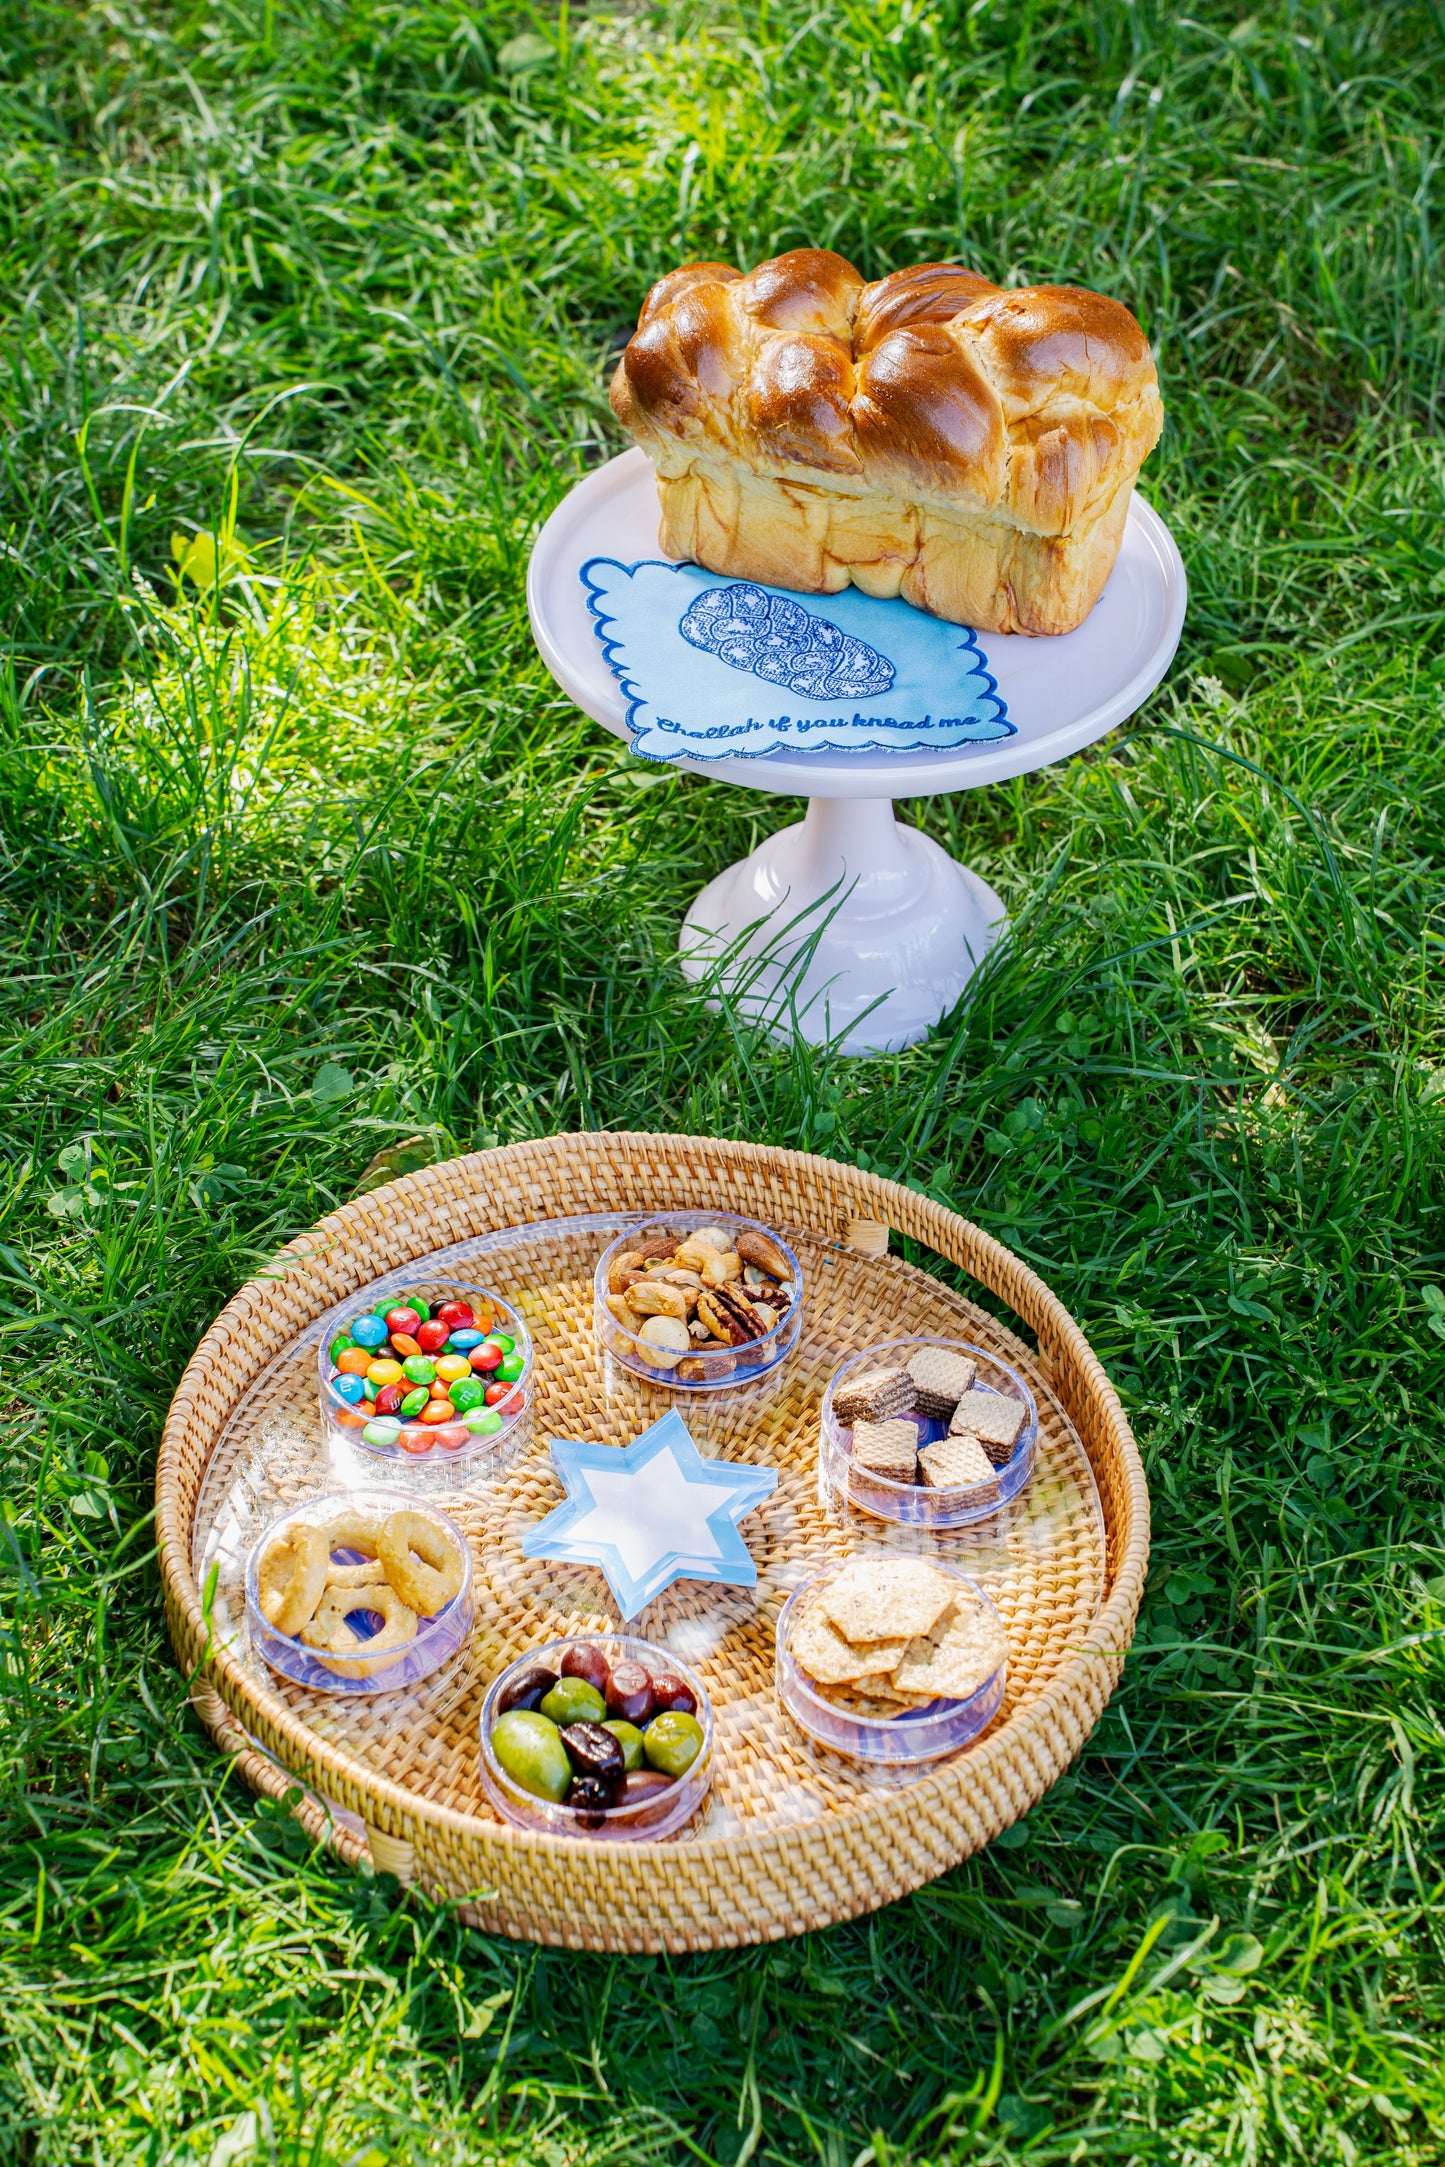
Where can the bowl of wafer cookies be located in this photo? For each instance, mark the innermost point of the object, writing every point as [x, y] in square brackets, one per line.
[891, 1659]
[932, 1433]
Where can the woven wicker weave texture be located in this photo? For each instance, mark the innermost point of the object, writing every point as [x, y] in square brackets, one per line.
[794, 1839]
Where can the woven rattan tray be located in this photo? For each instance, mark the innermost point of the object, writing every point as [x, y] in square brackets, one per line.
[793, 1838]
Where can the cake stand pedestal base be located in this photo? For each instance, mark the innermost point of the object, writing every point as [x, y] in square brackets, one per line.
[845, 928]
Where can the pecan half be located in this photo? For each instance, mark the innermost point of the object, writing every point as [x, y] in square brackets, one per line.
[728, 1317]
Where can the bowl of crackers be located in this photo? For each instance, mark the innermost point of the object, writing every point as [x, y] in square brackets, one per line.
[365, 1591]
[932, 1433]
[891, 1659]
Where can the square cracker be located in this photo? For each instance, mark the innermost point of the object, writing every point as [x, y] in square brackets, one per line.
[874, 1396]
[990, 1417]
[873, 1697]
[957, 1462]
[818, 1648]
[873, 1598]
[951, 1664]
[887, 1448]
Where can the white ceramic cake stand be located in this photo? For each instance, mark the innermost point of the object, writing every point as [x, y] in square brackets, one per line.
[848, 927]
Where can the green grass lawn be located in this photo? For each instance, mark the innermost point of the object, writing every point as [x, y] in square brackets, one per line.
[299, 869]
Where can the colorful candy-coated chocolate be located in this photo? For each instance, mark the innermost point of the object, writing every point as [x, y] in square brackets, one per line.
[485, 1358]
[339, 1345]
[432, 1336]
[483, 1422]
[351, 1389]
[503, 1341]
[452, 1366]
[404, 1345]
[389, 1399]
[466, 1339]
[369, 1386]
[419, 1368]
[355, 1361]
[369, 1331]
[501, 1396]
[510, 1368]
[438, 1411]
[384, 1371]
[468, 1393]
[402, 1320]
[416, 1441]
[453, 1314]
[413, 1403]
[451, 1434]
[381, 1432]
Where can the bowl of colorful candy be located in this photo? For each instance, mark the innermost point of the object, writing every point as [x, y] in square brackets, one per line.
[604, 1736]
[931, 1433]
[698, 1300]
[364, 1591]
[442, 1371]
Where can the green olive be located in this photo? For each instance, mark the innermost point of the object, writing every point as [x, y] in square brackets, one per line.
[629, 1737]
[573, 1700]
[672, 1742]
[531, 1751]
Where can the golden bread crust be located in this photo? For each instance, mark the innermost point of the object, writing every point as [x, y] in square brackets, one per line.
[970, 447]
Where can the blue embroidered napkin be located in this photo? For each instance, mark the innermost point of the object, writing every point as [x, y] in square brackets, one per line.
[713, 667]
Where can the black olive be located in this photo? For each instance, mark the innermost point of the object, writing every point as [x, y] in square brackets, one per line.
[673, 1696]
[528, 1691]
[590, 1796]
[594, 1751]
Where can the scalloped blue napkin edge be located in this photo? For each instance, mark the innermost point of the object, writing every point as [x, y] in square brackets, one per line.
[672, 679]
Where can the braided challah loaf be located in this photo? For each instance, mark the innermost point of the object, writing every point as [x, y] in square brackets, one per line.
[969, 447]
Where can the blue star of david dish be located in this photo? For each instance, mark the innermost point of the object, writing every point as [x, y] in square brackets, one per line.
[713, 668]
[650, 1513]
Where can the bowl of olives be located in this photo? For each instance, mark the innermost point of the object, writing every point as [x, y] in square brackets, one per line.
[603, 1736]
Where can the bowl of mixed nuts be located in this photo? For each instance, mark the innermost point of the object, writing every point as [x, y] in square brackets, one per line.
[698, 1300]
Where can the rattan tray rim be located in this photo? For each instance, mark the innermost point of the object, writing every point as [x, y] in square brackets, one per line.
[1061, 1714]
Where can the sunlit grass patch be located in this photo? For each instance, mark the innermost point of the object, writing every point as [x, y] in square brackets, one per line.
[304, 862]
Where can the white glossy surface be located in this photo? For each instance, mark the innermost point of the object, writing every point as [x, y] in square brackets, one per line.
[847, 925]
[1061, 694]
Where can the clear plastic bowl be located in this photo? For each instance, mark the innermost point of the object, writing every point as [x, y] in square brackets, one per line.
[419, 1444]
[695, 1372]
[913, 1504]
[436, 1639]
[919, 1734]
[660, 1816]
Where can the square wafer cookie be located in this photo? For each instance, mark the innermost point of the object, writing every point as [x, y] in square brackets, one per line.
[994, 1420]
[874, 1396]
[941, 1378]
[887, 1448]
[956, 1462]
